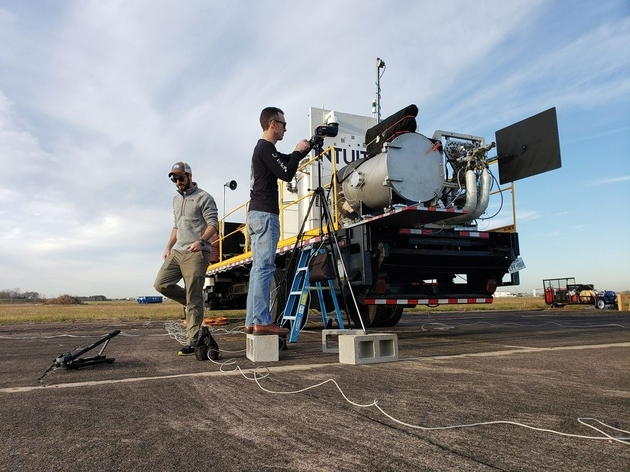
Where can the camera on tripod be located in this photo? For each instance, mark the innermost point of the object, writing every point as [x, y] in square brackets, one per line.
[321, 132]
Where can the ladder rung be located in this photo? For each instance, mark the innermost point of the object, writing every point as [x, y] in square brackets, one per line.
[298, 288]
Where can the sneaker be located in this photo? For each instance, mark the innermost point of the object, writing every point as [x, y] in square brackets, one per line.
[186, 351]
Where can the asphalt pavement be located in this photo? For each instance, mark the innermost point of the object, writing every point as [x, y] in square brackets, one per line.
[526, 391]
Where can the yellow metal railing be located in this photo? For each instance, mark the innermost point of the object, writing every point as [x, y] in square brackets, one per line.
[223, 236]
[284, 207]
[509, 228]
[333, 210]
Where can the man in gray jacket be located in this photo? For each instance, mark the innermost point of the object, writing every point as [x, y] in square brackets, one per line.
[187, 252]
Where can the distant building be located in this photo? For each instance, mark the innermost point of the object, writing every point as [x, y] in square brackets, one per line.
[504, 294]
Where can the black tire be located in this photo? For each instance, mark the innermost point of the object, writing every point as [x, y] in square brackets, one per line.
[388, 317]
[280, 287]
[368, 314]
[279, 294]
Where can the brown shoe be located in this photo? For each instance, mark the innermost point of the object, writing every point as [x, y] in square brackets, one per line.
[248, 329]
[270, 329]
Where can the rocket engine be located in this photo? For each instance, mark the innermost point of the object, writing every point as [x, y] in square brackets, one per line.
[404, 167]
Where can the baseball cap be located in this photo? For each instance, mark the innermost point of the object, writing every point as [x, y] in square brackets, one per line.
[179, 169]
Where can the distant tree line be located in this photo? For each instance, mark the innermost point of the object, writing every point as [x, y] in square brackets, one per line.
[16, 295]
[94, 298]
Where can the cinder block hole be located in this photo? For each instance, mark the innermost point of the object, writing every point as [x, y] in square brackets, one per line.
[365, 349]
[386, 347]
[332, 342]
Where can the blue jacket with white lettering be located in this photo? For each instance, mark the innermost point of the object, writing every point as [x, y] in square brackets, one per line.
[269, 165]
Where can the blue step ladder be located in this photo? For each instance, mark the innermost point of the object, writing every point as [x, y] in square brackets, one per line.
[297, 303]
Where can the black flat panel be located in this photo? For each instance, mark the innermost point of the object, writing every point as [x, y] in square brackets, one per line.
[528, 147]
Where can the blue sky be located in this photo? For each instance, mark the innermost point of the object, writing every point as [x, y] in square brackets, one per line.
[99, 98]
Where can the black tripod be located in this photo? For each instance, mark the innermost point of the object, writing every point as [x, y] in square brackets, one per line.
[325, 220]
[75, 361]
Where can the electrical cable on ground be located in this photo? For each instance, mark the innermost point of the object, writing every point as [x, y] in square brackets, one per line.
[582, 420]
[585, 421]
[444, 326]
[175, 330]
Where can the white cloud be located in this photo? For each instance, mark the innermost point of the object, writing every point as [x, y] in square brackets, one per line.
[528, 215]
[578, 74]
[611, 180]
[99, 99]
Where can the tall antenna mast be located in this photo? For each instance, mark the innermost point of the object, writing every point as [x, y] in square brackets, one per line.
[376, 104]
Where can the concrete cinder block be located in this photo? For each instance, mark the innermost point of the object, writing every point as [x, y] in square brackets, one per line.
[330, 338]
[262, 348]
[368, 348]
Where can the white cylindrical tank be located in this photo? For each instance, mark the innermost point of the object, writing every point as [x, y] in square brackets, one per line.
[411, 166]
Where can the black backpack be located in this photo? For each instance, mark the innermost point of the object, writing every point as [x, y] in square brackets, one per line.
[206, 347]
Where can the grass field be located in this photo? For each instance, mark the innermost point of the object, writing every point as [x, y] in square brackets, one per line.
[130, 310]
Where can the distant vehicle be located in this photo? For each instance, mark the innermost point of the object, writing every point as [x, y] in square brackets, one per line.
[149, 299]
[564, 291]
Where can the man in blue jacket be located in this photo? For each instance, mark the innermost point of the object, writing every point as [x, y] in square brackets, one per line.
[187, 252]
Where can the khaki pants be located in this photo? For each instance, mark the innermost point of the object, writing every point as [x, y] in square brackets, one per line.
[190, 266]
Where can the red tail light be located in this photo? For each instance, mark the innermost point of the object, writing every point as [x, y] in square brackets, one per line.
[380, 286]
[491, 286]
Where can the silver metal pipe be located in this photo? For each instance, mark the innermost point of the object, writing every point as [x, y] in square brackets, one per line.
[471, 200]
[483, 195]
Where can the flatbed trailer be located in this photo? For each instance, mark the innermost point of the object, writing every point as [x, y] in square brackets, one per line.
[403, 230]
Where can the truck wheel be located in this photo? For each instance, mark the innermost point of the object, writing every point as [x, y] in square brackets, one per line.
[279, 293]
[601, 304]
[388, 317]
[279, 296]
[368, 314]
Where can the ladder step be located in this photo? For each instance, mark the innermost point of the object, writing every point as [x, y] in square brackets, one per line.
[311, 288]
[297, 300]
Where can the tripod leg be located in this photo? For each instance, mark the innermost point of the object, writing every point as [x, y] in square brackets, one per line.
[289, 272]
[333, 237]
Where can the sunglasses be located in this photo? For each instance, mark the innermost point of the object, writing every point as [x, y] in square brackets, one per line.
[179, 179]
[283, 123]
